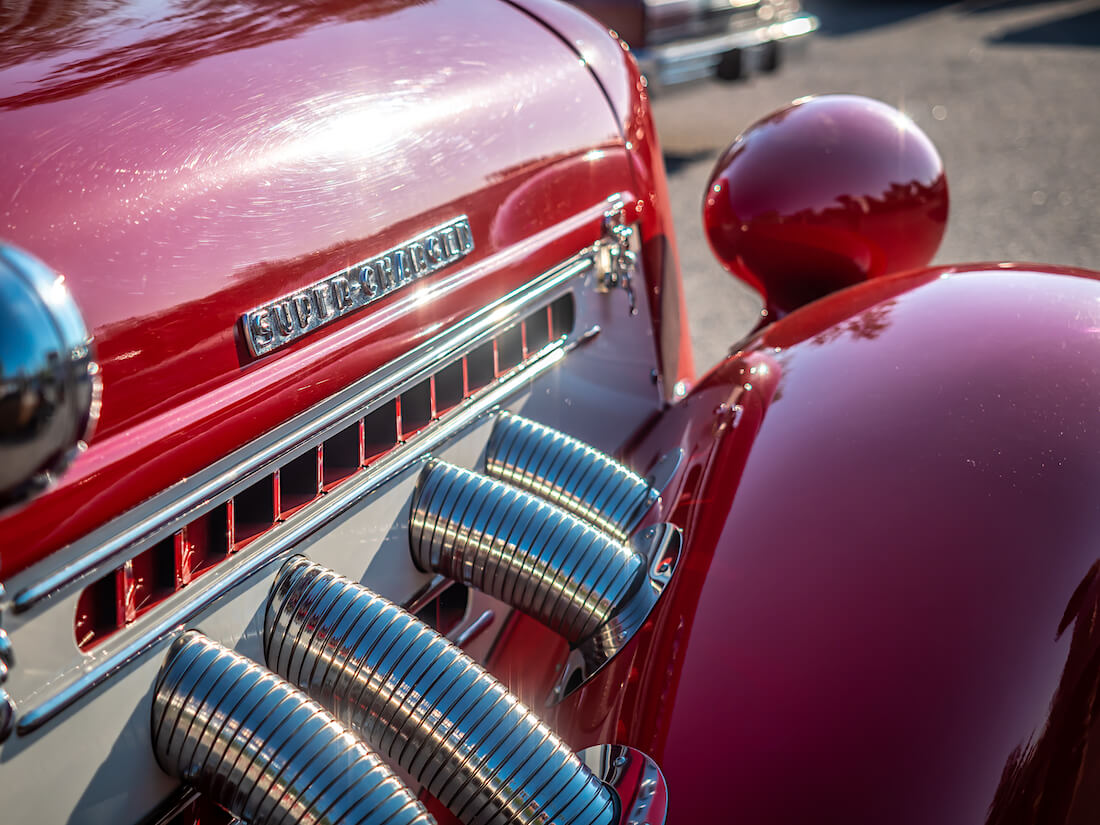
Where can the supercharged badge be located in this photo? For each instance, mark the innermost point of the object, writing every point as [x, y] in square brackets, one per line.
[276, 324]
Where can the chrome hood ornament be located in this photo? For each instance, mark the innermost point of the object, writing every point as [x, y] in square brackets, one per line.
[49, 380]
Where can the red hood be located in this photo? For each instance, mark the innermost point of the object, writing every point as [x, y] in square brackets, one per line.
[184, 164]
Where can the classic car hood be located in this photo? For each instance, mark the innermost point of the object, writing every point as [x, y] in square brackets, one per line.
[183, 164]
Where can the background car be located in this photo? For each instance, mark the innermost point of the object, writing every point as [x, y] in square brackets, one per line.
[681, 40]
[997, 85]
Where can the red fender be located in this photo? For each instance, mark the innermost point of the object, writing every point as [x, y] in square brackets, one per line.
[887, 607]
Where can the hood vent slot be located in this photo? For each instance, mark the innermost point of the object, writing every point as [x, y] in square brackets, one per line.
[342, 455]
[117, 600]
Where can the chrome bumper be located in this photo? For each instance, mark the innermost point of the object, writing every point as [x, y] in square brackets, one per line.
[729, 55]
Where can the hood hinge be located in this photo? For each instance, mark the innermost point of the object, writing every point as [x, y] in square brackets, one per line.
[617, 253]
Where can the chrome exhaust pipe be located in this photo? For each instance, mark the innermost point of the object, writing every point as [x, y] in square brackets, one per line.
[519, 549]
[588, 587]
[264, 751]
[572, 475]
[425, 705]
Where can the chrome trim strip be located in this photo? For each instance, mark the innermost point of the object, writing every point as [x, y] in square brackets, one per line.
[266, 550]
[444, 347]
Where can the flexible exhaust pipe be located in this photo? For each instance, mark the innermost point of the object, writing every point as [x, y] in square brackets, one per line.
[520, 550]
[264, 751]
[590, 588]
[425, 705]
[572, 475]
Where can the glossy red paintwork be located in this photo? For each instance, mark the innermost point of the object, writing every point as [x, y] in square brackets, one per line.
[588, 37]
[609, 60]
[822, 194]
[887, 608]
[183, 168]
[659, 254]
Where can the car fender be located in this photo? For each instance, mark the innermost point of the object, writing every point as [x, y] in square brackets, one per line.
[886, 608]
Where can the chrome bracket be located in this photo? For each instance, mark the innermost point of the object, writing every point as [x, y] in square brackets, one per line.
[635, 779]
[660, 546]
[617, 254]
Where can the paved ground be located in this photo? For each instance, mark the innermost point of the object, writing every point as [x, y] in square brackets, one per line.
[1009, 90]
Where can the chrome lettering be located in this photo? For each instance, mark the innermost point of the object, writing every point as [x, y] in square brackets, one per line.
[418, 256]
[401, 274]
[368, 282]
[303, 309]
[275, 324]
[450, 240]
[465, 236]
[322, 300]
[281, 313]
[341, 292]
[384, 267]
[436, 252]
[260, 327]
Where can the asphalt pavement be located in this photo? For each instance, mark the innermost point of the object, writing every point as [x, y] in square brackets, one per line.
[1009, 91]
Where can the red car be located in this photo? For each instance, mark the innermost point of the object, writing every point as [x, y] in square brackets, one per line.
[681, 40]
[354, 466]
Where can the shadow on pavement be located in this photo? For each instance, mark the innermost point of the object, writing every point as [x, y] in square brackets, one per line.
[675, 161]
[984, 6]
[839, 17]
[1075, 30]
[848, 16]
